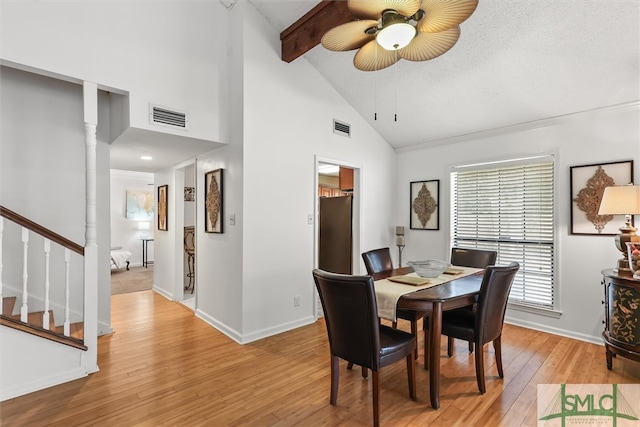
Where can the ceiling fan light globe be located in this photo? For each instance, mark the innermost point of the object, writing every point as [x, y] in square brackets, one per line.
[396, 36]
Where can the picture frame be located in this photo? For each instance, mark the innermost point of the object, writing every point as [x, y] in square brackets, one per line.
[213, 201]
[139, 205]
[189, 194]
[424, 205]
[587, 183]
[163, 207]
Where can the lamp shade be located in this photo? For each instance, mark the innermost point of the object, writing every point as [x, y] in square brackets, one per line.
[620, 200]
[144, 225]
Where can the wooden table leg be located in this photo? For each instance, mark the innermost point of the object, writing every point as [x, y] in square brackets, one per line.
[434, 354]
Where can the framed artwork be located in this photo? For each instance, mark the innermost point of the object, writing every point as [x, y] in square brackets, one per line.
[189, 194]
[213, 201]
[163, 207]
[587, 184]
[139, 205]
[424, 205]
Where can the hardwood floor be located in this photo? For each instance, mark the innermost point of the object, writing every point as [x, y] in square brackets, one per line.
[164, 366]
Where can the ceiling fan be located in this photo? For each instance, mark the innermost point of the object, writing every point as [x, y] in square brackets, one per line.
[387, 30]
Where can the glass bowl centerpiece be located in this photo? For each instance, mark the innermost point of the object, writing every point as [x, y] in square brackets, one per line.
[430, 268]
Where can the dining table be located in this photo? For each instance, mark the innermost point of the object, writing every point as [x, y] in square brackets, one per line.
[453, 293]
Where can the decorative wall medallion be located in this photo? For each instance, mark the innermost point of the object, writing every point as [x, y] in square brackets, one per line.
[587, 186]
[589, 198]
[213, 201]
[424, 205]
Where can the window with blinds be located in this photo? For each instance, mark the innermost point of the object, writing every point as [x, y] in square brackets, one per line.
[508, 207]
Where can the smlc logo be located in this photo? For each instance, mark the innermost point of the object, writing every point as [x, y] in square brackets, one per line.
[588, 404]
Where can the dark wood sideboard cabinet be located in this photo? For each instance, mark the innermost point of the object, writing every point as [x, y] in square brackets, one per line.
[622, 316]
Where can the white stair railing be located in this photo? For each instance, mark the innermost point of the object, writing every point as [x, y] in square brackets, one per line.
[33, 297]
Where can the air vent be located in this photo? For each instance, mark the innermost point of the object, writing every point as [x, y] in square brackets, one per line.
[166, 117]
[340, 128]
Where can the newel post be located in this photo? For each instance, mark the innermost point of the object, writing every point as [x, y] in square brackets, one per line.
[90, 357]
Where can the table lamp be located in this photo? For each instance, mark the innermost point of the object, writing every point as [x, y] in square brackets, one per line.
[622, 200]
[144, 226]
[400, 243]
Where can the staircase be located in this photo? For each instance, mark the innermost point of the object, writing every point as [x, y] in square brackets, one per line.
[34, 325]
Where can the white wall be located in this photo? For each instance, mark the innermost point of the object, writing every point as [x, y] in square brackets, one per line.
[166, 53]
[281, 142]
[124, 231]
[596, 137]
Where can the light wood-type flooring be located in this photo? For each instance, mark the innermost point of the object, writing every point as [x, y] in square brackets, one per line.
[165, 367]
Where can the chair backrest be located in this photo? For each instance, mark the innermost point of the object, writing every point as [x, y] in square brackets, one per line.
[351, 316]
[189, 239]
[492, 301]
[377, 260]
[477, 258]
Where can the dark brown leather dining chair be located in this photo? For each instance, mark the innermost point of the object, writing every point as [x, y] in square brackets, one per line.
[378, 260]
[356, 335]
[476, 258]
[484, 324]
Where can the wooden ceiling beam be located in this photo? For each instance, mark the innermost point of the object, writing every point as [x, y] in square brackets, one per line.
[304, 34]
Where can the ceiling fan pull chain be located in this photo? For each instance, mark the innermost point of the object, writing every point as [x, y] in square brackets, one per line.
[375, 90]
[395, 90]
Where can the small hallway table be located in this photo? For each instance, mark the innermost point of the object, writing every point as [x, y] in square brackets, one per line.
[453, 293]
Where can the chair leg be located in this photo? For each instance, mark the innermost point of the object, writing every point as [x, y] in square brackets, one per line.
[414, 332]
[470, 347]
[365, 372]
[350, 365]
[449, 346]
[376, 398]
[394, 325]
[426, 348]
[497, 345]
[335, 370]
[411, 376]
[480, 367]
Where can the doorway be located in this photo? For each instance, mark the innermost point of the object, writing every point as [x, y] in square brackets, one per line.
[189, 238]
[339, 181]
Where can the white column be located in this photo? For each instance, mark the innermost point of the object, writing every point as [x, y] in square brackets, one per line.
[90, 357]
[67, 325]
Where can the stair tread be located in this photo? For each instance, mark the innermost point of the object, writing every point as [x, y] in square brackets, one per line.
[8, 305]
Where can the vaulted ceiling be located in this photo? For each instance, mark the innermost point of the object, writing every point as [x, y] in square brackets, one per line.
[516, 62]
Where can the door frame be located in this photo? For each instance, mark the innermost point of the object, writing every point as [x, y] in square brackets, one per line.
[357, 209]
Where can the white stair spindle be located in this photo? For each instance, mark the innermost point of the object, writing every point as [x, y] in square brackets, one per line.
[47, 285]
[24, 310]
[67, 326]
[1, 243]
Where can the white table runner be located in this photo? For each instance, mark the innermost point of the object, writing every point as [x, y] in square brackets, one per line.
[388, 293]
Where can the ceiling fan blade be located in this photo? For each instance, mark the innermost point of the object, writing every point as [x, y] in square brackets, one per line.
[348, 36]
[373, 57]
[425, 46]
[441, 15]
[372, 9]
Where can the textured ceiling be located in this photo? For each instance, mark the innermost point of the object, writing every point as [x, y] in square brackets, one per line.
[515, 62]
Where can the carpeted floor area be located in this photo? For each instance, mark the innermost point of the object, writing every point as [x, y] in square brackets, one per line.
[134, 280]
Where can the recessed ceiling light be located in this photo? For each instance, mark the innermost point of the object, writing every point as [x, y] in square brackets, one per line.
[146, 158]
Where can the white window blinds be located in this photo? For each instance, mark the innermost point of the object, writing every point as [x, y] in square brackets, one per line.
[508, 207]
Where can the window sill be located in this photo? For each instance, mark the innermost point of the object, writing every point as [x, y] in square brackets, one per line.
[556, 314]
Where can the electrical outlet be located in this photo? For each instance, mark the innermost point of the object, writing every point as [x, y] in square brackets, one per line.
[296, 301]
[310, 219]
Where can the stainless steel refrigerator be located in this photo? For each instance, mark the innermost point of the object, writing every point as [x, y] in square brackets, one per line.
[335, 235]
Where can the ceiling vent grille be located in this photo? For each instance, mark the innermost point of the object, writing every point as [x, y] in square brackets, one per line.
[340, 128]
[166, 117]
